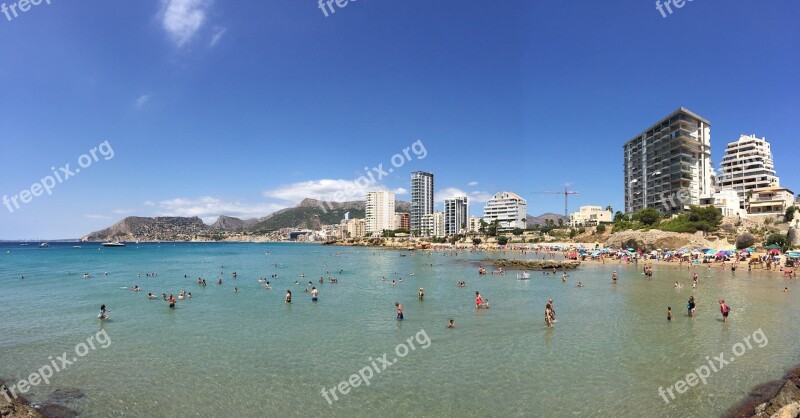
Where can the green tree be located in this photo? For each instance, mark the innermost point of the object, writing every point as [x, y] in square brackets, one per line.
[619, 217]
[647, 216]
[789, 216]
[778, 239]
[517, 231]
[502, 240]
[476, 241]
[610, 209]
[601, 228]
[560, 222]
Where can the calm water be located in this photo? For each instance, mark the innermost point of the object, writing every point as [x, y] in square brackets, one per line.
[250, 354]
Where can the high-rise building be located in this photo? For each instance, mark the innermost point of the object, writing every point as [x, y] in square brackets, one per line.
[421, 198]
[747, 166]
[509, 209]
[456, 215]
[474, 224]
[668, 166]
[379, 212]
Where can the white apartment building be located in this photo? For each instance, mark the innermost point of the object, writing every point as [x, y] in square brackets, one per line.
[421, 198]
[456, 215]
[668, 166]
[747, 166]
[590, 216]
[509, 209]
[728, 203]
[379, 212]
[474, 224]
[432, 225]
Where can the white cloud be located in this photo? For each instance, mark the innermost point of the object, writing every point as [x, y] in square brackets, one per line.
[472, 183]
[149, 203]
[474, 196]
[400, 191]
[332, 190]
[209, 208]
[218, 33]
[183, 18]
[123, 211]
[91, 216]
[142, 100]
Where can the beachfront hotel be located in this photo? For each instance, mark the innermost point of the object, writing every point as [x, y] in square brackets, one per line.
[379, 212]
[421, 199]
[747, 166]
[668, 165]
[402, 220]
[509, 209]
[456, 215]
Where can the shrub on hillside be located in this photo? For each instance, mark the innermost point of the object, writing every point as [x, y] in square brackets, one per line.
[745, 240]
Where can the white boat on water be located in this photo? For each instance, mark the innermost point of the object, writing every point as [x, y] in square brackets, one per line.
[113, 244]
[523, 276]
[44, 245]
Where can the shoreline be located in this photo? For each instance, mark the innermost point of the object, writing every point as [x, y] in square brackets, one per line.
[774, 399]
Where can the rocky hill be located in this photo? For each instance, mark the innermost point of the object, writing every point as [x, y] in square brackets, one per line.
[541, 219]
[308, 214]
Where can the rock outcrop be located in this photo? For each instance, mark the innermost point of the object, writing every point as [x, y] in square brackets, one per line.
[535, 265]
[654, 239]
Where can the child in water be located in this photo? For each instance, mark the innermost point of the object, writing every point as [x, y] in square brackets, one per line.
[451, 324]
[669, 313]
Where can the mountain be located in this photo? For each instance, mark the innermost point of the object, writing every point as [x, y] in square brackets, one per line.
[308, 214]
[164, 228]
[540, 220]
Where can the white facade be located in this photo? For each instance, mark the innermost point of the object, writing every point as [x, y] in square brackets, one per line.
[456, 215]
[590, 216]
[379, 212]
[421, 198]
[747, 166]
[509, 209]
[728, 203]
[474, 224]
[432, 225]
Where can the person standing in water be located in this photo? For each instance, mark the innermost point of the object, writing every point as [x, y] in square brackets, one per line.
[669, 313]
[288, 296]
[548, 315]
[102, 314]
[421, 293]
[399, 311]
[724, 309]
[614, 277]
[478, 300]
[691, 305]
[314, 293]
[171, 301]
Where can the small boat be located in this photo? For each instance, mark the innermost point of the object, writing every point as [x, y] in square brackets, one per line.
[113, 244]
[76, 246]
[44, 245]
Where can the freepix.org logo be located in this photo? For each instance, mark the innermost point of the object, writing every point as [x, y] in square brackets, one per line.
[666, 8]
[13, 10]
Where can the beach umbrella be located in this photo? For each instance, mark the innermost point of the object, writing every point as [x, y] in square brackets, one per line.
[774, 251]
[710, 252]
[772, 247]
[744, 253]
[631, 249]
[794, 255]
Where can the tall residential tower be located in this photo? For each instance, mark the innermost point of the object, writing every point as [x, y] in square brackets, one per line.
[668, 166]
[379, 211]
[421, 198]
[456, 215]
[747, 166]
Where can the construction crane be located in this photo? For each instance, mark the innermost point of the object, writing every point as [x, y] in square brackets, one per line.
[566, 194]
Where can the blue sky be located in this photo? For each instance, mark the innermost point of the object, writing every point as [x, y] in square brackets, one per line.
[244, 107]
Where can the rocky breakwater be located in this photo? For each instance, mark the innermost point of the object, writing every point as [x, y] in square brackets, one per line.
[12, 405]
[778, 399]
[15, 407]
[535, 265]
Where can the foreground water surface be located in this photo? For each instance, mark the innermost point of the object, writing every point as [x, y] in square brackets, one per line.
[251, 354]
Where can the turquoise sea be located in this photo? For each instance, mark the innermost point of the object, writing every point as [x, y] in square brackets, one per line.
[250, 354]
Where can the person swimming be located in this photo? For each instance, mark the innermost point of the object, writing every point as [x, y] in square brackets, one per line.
[103, 312]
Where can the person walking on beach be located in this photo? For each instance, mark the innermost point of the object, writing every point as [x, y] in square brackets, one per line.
[399, 311]
[724, 309]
